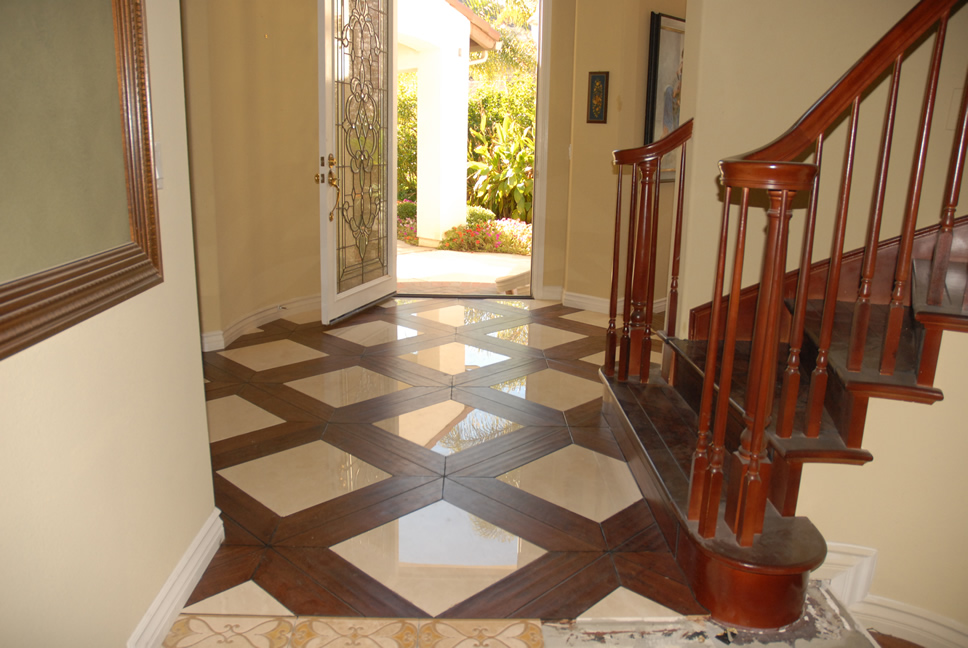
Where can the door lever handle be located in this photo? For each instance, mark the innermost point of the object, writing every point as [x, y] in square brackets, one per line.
[333, 182]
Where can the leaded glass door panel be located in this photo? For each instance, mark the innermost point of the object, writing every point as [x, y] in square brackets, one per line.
[357, 133]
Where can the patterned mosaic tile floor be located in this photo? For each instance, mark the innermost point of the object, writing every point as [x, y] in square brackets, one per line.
[429, 458]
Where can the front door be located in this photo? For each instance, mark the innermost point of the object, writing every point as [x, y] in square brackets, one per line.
[357, 132]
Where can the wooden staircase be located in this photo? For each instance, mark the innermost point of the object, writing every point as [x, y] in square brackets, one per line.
[801, 353]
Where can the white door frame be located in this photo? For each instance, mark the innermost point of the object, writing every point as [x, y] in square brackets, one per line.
[539, 220]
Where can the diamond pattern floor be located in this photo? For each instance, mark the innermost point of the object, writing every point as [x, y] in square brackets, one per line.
[429, 458]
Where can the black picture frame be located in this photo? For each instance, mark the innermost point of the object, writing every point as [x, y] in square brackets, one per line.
[666, 41]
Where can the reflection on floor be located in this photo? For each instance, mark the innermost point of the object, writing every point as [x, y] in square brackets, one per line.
[428, 458]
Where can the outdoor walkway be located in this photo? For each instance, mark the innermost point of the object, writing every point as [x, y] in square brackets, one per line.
[426, 271]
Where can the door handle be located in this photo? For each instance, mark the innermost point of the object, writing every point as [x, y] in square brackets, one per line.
[333, 182]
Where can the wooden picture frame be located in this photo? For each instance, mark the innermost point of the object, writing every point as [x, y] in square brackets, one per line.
[39, 305]
[597, 98]
[666, 42]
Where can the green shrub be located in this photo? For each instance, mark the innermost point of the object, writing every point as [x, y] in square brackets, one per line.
[406, 209]
[477, 215]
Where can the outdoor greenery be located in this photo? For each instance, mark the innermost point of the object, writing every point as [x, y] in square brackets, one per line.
[500, 117]
[407, 136]
[477, 215]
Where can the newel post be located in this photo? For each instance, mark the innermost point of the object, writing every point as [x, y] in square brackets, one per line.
[750, 468]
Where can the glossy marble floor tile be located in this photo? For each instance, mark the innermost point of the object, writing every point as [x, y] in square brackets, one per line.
[585, 482]
[454, 358]
[448, 427]
[231, 416]
[438, 556]
[626, 604]
[347, 386]
[420, 460]
[301, 477]
[457, 315]
[552, 388]
[270, 355]
[246, 599]
[373, 333]
[536, 336]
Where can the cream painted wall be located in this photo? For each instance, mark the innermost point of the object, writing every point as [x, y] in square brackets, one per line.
[612, 37]
[727, 88]
[104, 459]
[903, 503]
[251, 71]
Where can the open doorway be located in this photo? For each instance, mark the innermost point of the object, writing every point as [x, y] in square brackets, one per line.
[465, 211]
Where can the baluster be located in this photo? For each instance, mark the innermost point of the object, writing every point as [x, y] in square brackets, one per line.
[610, 336]
[942, 250]
[750, 471]
[714, 481]
[672, 304]
[862, 307]
[902, 274]
[791, 375]
[818, 380]
[653, 224]
[702, 469]
[640, 271]
[626, 342]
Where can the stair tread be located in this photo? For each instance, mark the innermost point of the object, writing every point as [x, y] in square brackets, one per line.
[902, 384]
[952, 309]
[665, 426]
[828, 445]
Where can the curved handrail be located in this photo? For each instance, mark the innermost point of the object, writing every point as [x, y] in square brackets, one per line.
[858, 78]
[655, 150]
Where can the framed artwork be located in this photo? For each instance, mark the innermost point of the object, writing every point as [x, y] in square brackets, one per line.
[667, 36]
[597, 97]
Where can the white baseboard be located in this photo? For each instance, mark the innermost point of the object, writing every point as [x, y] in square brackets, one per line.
[549, 293]
[848, 571]
[908, 622]
[157, 621]
[218, 340]
[600, 304]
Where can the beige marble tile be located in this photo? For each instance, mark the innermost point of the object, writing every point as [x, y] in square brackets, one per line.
[551, 388]
[524, 304]
[347, 386]
[624, 604]
[438, 556]
[475, 633]
[457, 315]
[536, 336]
[580, 480]
[373, 333]
[454, 358]
[270, 355]
[233, 415]
[302, 317]
[325, 632]
[599, 358]
[298, 478]
[589, 317]
[245, 599]
[448, 427]
[200, 631]
[400, 301]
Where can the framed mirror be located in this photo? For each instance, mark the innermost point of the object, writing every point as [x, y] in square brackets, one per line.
[78, 209]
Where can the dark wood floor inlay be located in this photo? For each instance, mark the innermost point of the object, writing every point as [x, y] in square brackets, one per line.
[297, 558]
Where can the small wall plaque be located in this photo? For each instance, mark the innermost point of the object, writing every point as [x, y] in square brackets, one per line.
[597, 97]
